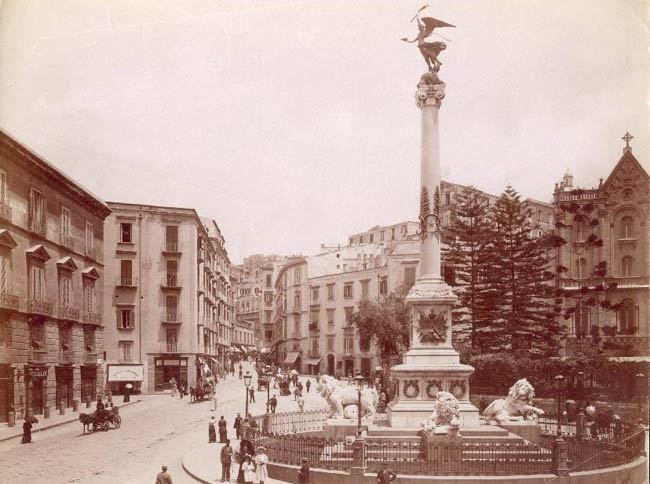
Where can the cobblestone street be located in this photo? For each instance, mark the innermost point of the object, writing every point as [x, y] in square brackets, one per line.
[159, 430]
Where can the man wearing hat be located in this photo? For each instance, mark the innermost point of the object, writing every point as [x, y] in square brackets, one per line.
[385, 475]
[303, 473]
[163, 477]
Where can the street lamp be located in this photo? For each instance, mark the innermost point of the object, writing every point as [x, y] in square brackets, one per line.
[268, 376]
[559, 384]
[580, 395]
[247, 383]
[358, 380]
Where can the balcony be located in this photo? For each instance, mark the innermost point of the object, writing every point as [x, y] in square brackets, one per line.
[171, 317]
[5, 211]
[171, 281]
[37, 356]
[94, 318]
[36, 226]
[67, 241]
[621, 282]
[9, 301]
[171, 248]
[42, 308]
[313, 327]
[126, 281]
[70, 314]
[65, 357]
[90, 358]
[169, 348]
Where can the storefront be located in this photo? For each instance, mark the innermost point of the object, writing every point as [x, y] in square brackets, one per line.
[168, 368]
[88, 382]
[36, 381]
[292, 361]
[366, 367]
[6, 391]
[348, 367]
[331, 368]
[119, 375]
[63, 386]
[313, 366]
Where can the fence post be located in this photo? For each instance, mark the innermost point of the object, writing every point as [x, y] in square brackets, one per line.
[560, 457]
[358, 457]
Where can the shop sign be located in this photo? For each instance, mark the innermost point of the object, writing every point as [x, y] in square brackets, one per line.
[37, 371]
[125, 373]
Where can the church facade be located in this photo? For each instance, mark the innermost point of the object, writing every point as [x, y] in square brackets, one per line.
[611, 301]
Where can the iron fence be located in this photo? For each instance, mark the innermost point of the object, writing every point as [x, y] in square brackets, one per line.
[320, 452]
[587, 455]
[611, 432]
[292, 422]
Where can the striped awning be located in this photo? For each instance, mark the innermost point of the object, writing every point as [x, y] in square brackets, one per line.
[313, 361]
[291, 357]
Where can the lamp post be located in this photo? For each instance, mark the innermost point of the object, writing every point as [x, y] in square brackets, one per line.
[359, 446]
[358, 380]
[560, 450]
[580, 421]
[559, 383]
[268, 376]
[247, 383]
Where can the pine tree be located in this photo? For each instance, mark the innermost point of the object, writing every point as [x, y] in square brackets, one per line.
[466, 256]
[520, 282]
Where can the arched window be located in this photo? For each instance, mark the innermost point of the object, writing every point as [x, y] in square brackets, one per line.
[581, 231]
[627, 317]
[626, 266]
[581, 268]
[581, 319]
[626, 228]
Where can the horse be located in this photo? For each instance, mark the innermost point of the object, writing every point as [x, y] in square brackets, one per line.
[86, 420]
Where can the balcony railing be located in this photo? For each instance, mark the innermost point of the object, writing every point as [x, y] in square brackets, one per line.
[71, 314]
[313, 326]
[43, 308]
[67, 241]
[171, 280]
[171, 317]
[169, 348]
[620, 282]
[36, 226]
[126, 281]
[65, 356]
[5, 211]
[171, 248]
[37, 356]
[9, 301]
[94, 318]
[90, 358]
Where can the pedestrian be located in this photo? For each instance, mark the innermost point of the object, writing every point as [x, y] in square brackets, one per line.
[303, 473]
[261, 459]
[214, 399]
[100, 404]
[27, 431]
[172, 384]
[301, 404]
[308, 384]
[251, 394]
[385, 475]
[249, 470]
[163, 477]
[237, 426]
[273, 402]
[240, 372]
[127, 393]
[223, 430]
[245, 450]
[226, 461]
[181, 389]
[212, 434]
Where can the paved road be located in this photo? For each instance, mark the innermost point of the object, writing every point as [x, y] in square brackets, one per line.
[156, 431]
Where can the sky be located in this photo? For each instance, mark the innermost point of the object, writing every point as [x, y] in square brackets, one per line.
[293, 123]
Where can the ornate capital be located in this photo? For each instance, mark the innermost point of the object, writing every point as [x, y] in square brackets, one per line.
[429, 95]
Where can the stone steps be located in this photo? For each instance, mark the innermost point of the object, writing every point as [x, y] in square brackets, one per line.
[483, 431]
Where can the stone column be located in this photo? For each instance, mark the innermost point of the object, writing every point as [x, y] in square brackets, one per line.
[431, 364]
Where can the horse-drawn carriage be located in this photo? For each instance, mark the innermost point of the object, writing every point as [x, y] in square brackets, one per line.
[202, 390]
[263, 382]
[101, 419]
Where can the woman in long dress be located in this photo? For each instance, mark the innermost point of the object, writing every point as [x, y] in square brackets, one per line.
[212, 433]
[261, 459]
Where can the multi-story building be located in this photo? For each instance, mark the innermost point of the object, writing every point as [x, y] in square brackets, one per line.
[51, 285]
[620, 204]
[168, 296]
[243, 338]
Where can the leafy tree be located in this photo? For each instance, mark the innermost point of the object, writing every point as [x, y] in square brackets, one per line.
[386, 323]
[466, 255]
[519, 284]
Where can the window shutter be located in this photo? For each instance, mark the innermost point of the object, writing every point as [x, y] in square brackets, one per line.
[4, 275]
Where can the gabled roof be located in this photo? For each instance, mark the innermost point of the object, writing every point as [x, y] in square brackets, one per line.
[627, 170]
[90, 272]
[7, 240]
[38, 252]
[67, 263]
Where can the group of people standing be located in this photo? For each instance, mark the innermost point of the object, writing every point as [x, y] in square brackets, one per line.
[252, 463]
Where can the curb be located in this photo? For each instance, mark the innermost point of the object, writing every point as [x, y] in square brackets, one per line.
[58, 424]
[191, 474]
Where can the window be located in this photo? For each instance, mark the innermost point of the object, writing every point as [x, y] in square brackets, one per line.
[314, 316]
[314, 347]
[296, 275]
[348, 346]
[296, 301]
[36, 283]
[36, 212]
[330, 343]
[330, 291]
[90, 239]
[626, 266]
[125, 348]
[125, 233]
[382, 235]
[383, 286]
[351, 241]
[365, 288]
[126, 268]
[268, 280]
[125, 319]
[4, 274]
[268, 297]
[65, 289]
[361, 239]
[404, 230]
[626, 227]
[348, 315]
[65, 226]
[581, 231]
[89, 295]
[267, 315]
[314, 294]
[371, 238]
[581, 265]
[268, 334]
[171, 238]
[3, 188]
[172, 273]
[347, 290]
[581, 319]
[296, 324]
[409, 276]
[171, 307]
[392, 233]
[89, 339]
[330, 317]
[627, 317]
[171, 339]
[64, 338]
[447, 199]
